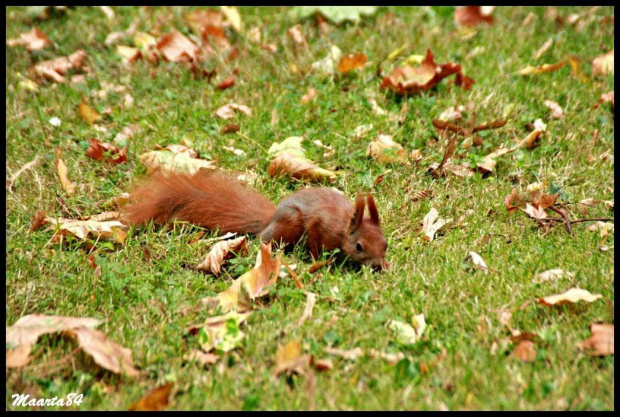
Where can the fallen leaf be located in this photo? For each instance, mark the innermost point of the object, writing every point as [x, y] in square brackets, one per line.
[384, 150]
[221, 333]
[351, 354]
[409, 80]
[34, 40]
[113, 231]
[360, 131]
[253, 282]
[525, 351]
[62, 171]
[405, 333]
[221, 251]
[298, 167]
[157, 399]
[431, 224]
[422, 195]
[531, 141]
[126, 134]
[295, 33]
[336, 14]
[203, 358]
[97, 149]
[175, 47]
[452, 113]
[38, 220]
[309, 96]
[544, 48]
[552, 275]
[488, 162]
[229, 110]
[603, 64]
[530, 70]
[352, 62]
[477, 261]
[601, 343]
[105, 353]
[608, 98]
[233, 16]
[604, 227]
[323, 364]
[535, 212]
[291, 145]
[114, 37]
[557, 112]
[55, 68]
[167, 160]
[327, 65]
[129, 54]
[226, 83]
[318, 265]
[473, 15]
[19, 356]
[87, 113]
[572, 296]
[310, 301]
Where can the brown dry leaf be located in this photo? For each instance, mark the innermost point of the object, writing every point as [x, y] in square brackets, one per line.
[298, 167]
[298, 37]
[431, 224]
[126, 134]
[87, 113]
[115, 155]
[572, 296]
[318, 265]
[552, 275]
[544, 201]
[603, 64]
[422, 195]
[38, 220]
[202, 357]
[220, 252]
[408, 80]
[352, 62]
[230, 110]
[513, 201]
[34, 40]
[105, 216]
[226, 83]
[323, 364]
[254, 283]
[604, 227]
[175, 47]
[530, 70]
[488, 162]
[601, 343]
[289, 359]
[157, 399]
[525, 351]
[608, 98]
[531, 141]
[473, 15]
[309, 96]
[174, 160]
[129, 54]
[113, 231]
[55, 68]
[105, 353]
[310, 301]
[384, 150]
[556, 110]
[62, 171]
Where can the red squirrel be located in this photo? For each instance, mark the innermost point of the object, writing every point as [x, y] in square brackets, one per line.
[220, 202]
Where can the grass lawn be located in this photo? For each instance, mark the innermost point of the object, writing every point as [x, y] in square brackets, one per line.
[464, 358]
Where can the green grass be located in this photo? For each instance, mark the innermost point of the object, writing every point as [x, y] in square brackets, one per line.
[142, 299]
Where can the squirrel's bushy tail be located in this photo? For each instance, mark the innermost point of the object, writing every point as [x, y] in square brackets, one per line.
[208, 198]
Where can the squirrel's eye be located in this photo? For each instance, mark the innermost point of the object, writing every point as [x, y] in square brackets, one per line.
[358, 247]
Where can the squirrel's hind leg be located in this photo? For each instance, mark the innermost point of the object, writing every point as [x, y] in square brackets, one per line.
[285, 226]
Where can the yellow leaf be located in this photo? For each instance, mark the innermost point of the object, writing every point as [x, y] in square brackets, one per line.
[384, 150]
[62, 171]
[87, 113]
[156, 399]
[233, 16]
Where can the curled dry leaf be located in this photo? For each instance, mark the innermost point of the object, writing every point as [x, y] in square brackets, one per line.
[384, 150]
[473, 15]
[603, 64]
[310, 301]
[552, 275]
[221, 251]
[157, 399]
[530, 70]
[34, 40]
[175, 47]
[55, 68]
[298, 37]
[477, 261]
[408, 80]
[352, 62]
[169, 160]
[488, 162]
[601, 343]
[298, 167]
[105, 353]
[229, 110]
[112, 231]
[571, 296]
[525, 351]
[115, 156]
[62, 171]
[253, 283]
[309, 96]
[556, 110]
[431, 224]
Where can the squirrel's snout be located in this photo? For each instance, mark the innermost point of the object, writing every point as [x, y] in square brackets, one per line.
[379, 264]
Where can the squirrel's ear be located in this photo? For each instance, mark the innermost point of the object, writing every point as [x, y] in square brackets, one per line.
[372, 209]
[358, 215]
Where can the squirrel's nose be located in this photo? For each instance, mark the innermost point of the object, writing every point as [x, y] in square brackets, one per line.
[380, 264]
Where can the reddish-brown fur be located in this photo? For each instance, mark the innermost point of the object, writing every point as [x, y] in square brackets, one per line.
[220, 202]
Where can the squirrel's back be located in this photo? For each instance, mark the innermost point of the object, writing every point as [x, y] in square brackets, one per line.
[208, 198]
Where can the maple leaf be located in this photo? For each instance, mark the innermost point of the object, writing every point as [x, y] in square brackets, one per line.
[408, 80]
